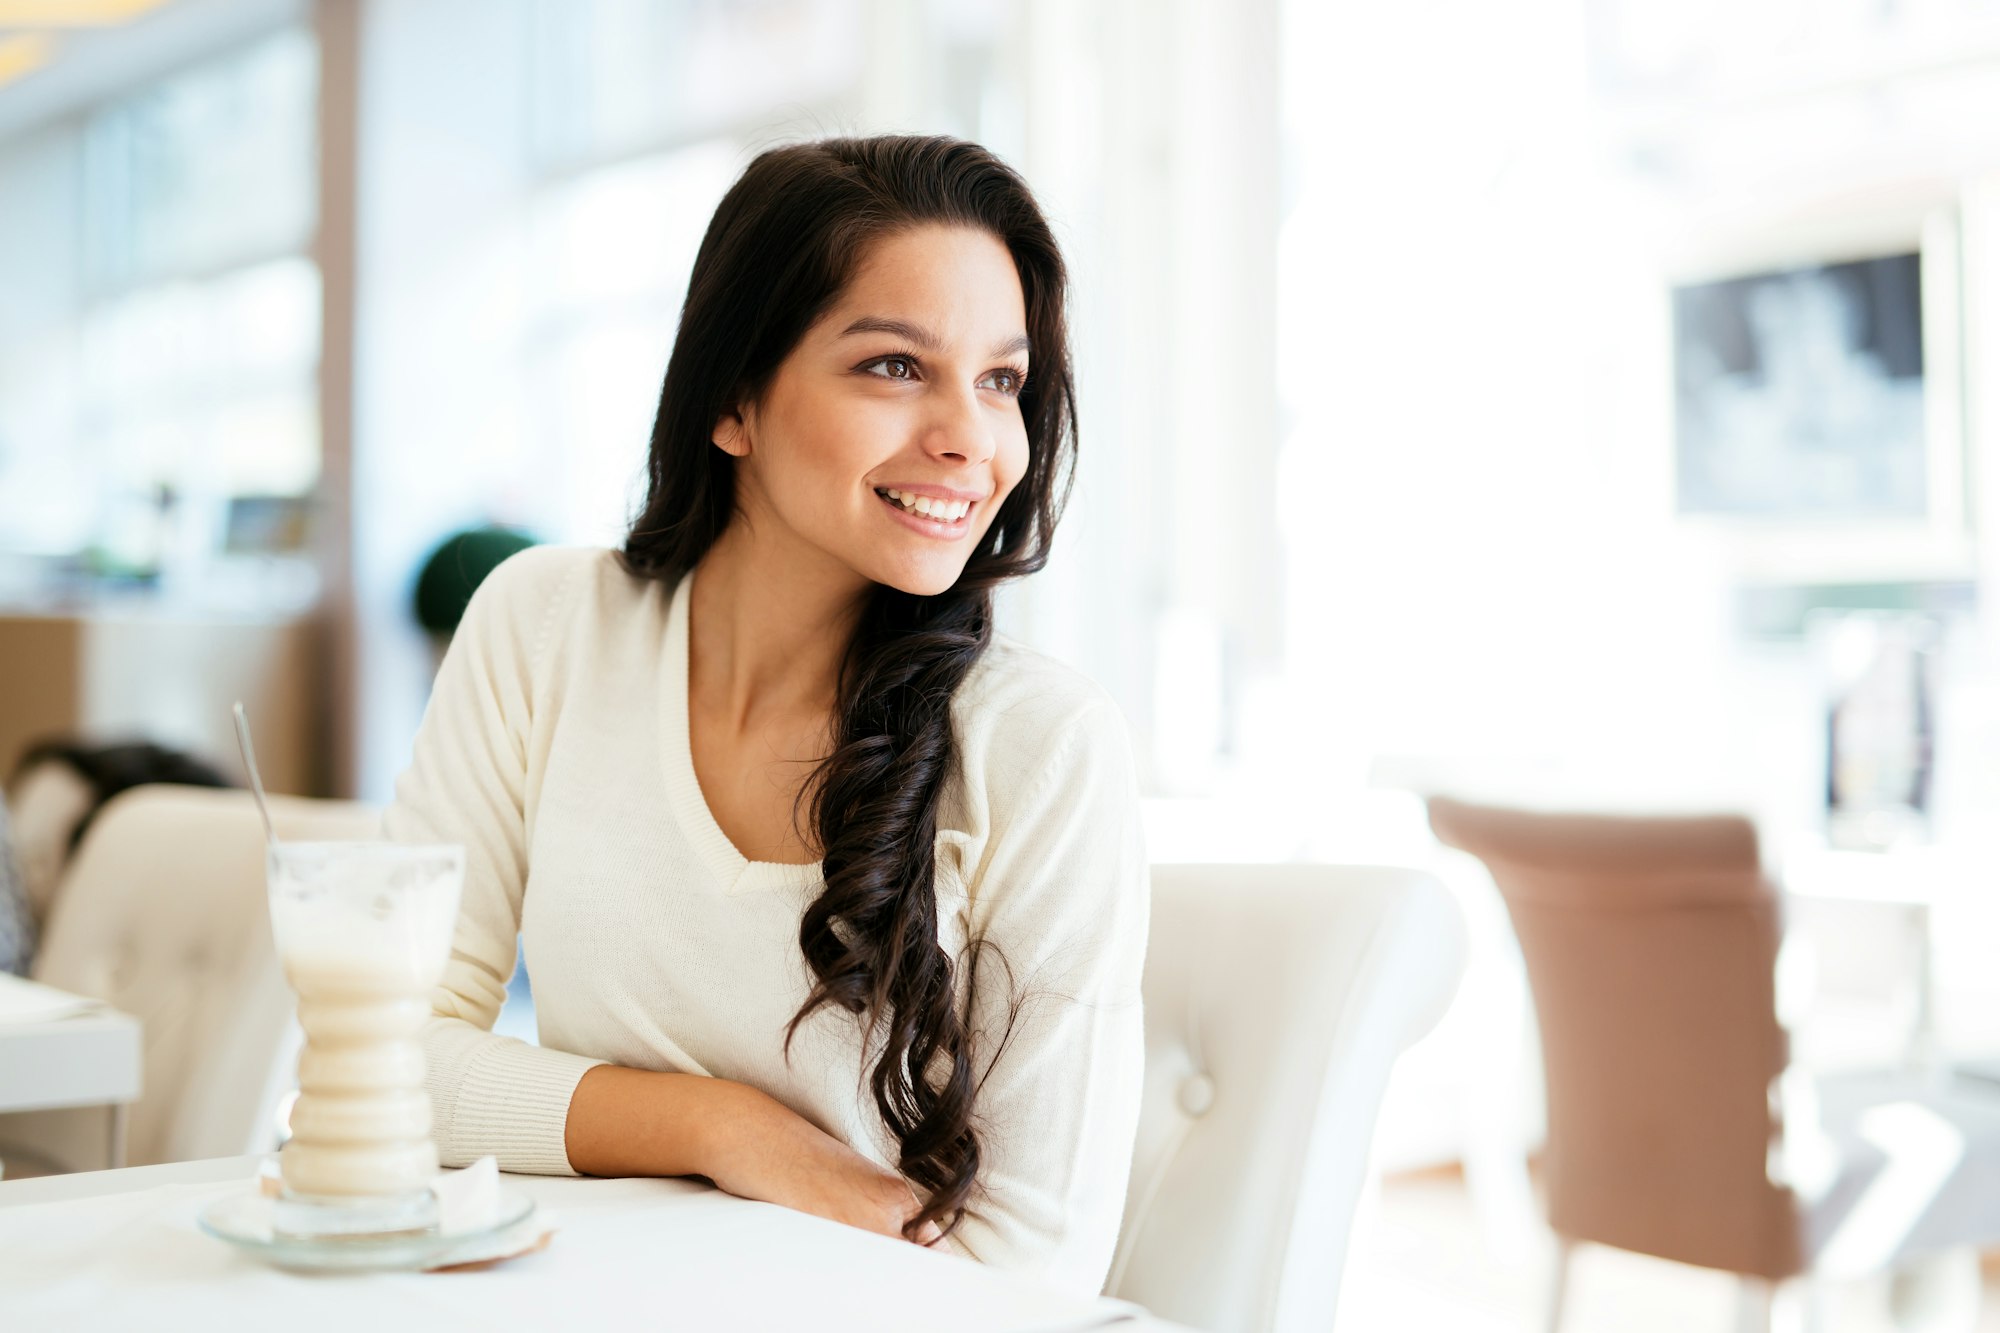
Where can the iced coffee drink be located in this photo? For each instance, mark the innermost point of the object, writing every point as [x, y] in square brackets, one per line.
[363, 930]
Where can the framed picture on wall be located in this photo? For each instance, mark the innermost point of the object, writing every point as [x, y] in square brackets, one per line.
[1818, 399]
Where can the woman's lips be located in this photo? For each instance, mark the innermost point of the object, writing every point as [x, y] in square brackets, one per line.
[936, 528]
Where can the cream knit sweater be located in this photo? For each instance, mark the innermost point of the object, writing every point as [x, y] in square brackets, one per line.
[555, 748]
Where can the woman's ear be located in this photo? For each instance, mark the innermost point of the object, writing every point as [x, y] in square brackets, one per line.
[730, 434]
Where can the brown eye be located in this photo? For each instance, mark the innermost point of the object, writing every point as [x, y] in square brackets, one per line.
[895, 367]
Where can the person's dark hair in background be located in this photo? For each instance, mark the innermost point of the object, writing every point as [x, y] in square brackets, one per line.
[61, 783]
[783, 244]
[111, 769]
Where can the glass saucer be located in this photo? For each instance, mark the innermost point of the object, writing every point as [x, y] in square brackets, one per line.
[244, 1220]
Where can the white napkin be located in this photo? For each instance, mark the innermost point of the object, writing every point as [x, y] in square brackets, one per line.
[468, 1201]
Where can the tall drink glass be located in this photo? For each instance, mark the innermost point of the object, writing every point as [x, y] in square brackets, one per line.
[363, 930]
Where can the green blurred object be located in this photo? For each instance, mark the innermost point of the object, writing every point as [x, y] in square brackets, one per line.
[456, 568]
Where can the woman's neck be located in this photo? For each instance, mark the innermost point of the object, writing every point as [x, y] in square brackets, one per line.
[767, 631]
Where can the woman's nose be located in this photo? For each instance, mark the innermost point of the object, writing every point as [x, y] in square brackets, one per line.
[959, 430]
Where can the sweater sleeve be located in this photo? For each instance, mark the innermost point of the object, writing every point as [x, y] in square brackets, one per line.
[1062, 902]
[468, 783]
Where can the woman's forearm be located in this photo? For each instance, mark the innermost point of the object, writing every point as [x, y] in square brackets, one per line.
[632, 1122]
[635, 1122]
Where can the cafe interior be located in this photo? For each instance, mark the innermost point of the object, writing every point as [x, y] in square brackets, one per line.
[1533, 509]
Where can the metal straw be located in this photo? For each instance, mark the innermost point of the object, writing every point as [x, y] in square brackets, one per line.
[250, 763]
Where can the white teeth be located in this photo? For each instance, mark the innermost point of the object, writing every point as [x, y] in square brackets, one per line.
[944, 511]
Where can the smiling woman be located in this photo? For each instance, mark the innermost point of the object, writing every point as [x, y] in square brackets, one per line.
[854, 412]
[831, 894]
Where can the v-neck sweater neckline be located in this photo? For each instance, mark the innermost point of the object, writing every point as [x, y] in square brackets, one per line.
[734, 871]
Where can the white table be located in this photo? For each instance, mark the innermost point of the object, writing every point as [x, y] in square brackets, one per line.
[1913, 881]
[88, 1058]
[120, 1249]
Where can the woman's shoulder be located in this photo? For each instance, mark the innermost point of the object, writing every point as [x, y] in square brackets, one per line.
[532, 588]
[1015, 688]
[1021, 713]
[541, 574]
[1045, 771]
[549, 605]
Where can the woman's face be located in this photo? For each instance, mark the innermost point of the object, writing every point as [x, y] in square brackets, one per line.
[910, 384]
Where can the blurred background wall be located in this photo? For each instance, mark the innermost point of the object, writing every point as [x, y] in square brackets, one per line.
[1381, 482]
[404, 267]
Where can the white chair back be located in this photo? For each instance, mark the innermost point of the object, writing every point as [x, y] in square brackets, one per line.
[1277, 999]
[162, 913]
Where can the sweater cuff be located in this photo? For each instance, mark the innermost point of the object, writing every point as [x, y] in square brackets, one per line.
[501, 1096]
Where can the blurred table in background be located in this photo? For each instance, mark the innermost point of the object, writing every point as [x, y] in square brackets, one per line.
[1877, 922]
[59, 1051]
[112, 676]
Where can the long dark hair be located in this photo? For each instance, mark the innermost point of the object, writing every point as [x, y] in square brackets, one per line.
[782, 246]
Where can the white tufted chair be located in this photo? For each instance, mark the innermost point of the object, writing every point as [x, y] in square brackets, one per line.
[162, 914]
[1277, 999]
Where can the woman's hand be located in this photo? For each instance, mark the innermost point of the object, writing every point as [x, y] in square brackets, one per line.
[766, 1151]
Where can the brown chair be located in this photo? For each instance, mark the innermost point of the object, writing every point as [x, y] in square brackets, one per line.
[1650, 946]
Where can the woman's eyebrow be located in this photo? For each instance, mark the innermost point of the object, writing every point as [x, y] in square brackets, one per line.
[922, 338]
